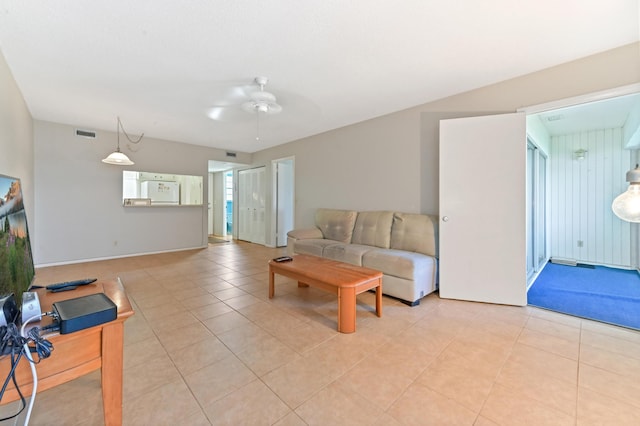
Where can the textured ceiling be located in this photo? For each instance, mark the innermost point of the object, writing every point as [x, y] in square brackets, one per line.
[162, 65]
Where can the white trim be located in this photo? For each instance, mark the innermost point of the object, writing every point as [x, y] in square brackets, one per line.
[273, 238]
[582, 99]
[121, 256]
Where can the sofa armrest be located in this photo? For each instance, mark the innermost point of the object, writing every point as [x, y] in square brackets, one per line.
[301, 234]
[304, 234]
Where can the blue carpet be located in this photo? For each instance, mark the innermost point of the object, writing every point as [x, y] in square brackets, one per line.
[604, 294]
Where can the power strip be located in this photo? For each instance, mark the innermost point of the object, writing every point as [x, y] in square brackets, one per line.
[30, 306]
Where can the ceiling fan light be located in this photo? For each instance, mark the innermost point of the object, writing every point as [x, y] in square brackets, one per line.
[262, 96]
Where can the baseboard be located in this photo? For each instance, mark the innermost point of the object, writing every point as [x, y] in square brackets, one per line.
[563, 261]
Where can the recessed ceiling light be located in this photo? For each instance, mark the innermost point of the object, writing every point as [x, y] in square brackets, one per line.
[555, 117]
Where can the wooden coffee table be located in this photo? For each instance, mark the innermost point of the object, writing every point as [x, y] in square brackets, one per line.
[343, 279]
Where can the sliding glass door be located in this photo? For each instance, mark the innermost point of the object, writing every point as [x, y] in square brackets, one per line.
[536, 210]
[540, 243]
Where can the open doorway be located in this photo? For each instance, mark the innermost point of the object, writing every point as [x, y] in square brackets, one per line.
[222, 201]
[227, 224]
[502, 255]
[592, 269]
[588, 149]
[220, 214]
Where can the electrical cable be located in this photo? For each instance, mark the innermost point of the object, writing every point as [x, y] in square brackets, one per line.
[32, 364]
[16, 344]
[12, 342]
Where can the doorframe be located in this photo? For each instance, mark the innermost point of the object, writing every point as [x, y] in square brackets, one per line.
[535, 211]
[274, 196]
[216, 206]
[582, 99]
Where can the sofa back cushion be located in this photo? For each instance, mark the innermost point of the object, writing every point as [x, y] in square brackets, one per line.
[414, 232]
[373, 229]
[336, 225]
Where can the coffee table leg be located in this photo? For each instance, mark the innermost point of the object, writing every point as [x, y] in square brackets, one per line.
[271, 286]
[347, 310]
[379, 298]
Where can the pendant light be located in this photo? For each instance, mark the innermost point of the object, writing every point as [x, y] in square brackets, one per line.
[117, 157]
[627, 205]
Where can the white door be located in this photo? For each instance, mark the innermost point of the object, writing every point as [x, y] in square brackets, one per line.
[258, 233]
[482, 251]
[216, 203]
[244, 205]
[284, 200]
[251, 205]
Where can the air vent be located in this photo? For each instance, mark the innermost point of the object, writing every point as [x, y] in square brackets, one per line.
[86, 133]
[231, 154]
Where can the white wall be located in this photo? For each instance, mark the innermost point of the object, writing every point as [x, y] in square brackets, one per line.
[374, 165]
[583, 227]
[79, 213]
[16, 140]
[391, 162]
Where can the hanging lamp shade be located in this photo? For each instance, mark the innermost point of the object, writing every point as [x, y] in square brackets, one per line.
[117, 157]
[627, 205]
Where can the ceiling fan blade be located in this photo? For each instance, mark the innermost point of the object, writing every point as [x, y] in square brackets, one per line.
[227, 113]
[274, 108]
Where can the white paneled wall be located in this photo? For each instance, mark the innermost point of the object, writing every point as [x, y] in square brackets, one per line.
[582, 225]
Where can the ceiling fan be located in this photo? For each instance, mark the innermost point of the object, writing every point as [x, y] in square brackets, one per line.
[252, 99]
[262, 101]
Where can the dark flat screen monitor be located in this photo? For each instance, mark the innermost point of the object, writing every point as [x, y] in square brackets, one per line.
[16, 260]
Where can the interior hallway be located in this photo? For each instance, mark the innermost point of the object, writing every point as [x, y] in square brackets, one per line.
[207, 346]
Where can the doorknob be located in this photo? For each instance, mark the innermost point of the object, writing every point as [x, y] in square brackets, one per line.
[445, 218]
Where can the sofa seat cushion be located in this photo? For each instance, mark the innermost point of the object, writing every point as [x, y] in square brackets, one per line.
[313, 246]
[348, 253]
[401, 264]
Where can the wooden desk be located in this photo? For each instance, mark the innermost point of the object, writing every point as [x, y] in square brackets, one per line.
[79, 353]
[342, 279]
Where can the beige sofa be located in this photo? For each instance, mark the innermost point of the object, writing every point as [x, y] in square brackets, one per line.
[400, 245]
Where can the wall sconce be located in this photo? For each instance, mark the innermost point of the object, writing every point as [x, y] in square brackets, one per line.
[580, 154]
[116, 157]
[627, 205]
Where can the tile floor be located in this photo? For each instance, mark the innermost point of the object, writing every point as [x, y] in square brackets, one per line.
[207, 346]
